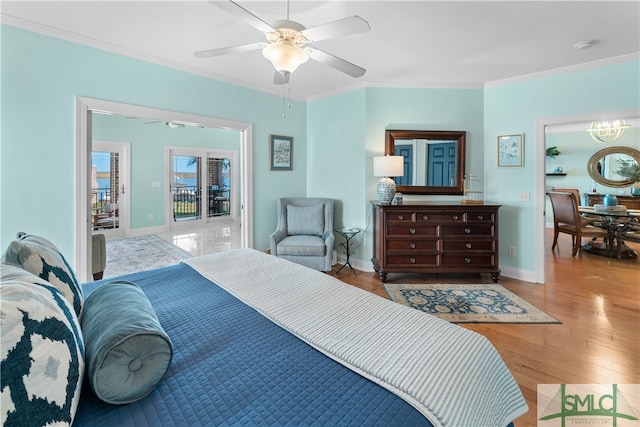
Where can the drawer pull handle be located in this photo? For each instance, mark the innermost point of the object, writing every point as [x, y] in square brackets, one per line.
[467, 260]
[412, 245]
[412, 260]
[455, 217]
[425, 217]
[468, 245]
[401, 217]
[412, 231]
[480, 217]
[467, 230]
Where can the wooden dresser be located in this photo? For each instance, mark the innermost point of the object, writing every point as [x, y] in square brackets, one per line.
[629, 201]
[422, 237]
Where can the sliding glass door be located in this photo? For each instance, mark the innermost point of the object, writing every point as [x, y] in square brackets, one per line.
[202, 185]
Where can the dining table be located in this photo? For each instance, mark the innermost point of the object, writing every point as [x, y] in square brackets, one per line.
[618, 222]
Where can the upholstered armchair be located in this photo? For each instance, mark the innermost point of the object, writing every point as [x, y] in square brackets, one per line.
[98, 255]
[305, 232]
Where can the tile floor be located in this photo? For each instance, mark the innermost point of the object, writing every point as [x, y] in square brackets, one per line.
[212, 238]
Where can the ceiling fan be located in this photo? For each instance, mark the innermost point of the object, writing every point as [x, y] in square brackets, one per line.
[287, 46]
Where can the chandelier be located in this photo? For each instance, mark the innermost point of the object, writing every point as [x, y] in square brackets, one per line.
[606, 131]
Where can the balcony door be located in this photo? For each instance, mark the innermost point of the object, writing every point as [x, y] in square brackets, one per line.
[109, 188]
[202, 186]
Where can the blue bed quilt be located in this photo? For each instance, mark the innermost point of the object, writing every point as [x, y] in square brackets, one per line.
[232, 366]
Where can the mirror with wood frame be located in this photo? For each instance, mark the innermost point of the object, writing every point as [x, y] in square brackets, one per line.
[433, 160]
[603, 165]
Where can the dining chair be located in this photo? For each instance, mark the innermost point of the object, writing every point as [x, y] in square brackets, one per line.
[573, 191]
[567, 219]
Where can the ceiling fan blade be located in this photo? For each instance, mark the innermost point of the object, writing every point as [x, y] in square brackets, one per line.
[231, 49]
[241, 13]
[341, 27]
[281, 78]
[337, 63]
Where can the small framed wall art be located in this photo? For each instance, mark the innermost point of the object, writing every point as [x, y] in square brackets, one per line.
[510, 153]
[281, 153]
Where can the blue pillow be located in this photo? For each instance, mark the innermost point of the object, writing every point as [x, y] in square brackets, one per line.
[306, 220]
[128, 352]
[42, 352]
[42, 258]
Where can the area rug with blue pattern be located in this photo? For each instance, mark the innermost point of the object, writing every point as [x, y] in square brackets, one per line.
[131, 254]
[486, 303]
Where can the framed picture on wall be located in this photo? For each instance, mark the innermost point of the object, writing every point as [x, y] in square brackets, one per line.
[281, 153]
[510, 153]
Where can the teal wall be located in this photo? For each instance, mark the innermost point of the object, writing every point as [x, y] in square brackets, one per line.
[336, 131]
[148, 142]
[335, 138]
[41, 77]
[351, 128]
[515, 108]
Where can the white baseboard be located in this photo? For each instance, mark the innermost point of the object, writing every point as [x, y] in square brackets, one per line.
[356, 263]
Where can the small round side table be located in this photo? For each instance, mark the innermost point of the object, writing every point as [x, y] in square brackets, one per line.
[348, 233]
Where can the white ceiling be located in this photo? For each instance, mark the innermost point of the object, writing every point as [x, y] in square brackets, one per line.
[463, 44]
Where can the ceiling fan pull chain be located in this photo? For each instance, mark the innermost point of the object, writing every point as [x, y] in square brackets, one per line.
[284, 107]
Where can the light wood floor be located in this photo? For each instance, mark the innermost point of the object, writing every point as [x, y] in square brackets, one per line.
[596, 298]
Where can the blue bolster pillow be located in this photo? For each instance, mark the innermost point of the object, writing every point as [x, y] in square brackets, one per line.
[127, 351]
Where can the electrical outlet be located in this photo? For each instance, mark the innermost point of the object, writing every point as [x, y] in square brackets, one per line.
[150, 217]
[512, 250]
[523, 196]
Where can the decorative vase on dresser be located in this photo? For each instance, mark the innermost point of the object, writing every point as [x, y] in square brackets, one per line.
[437, 237]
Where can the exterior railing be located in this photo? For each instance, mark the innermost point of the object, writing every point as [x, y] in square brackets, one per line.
[186, 202]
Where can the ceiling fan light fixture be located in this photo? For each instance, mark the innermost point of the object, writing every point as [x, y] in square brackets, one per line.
[285, 57]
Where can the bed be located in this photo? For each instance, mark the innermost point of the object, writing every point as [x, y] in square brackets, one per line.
[258, 340]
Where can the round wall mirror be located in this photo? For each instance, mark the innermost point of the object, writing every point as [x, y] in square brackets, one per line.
[603, 165]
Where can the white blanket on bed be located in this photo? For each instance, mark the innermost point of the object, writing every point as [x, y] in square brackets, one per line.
[455, 377]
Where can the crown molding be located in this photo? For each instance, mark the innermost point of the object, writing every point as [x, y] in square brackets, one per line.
[131, 53]
[563, 70]
[91, 42]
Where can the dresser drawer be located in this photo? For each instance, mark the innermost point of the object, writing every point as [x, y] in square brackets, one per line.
[439, 217]
[410, 230]
[422, 260]
[468, 245]
[453, 259]
[477, 229]
[480, 217]
[412, 245]
[424, 216]
[399, 217]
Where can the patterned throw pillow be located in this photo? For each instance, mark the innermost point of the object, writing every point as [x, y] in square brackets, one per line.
[42, 258]
[42, 353]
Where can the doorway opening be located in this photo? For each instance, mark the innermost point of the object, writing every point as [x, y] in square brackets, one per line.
[86, 107]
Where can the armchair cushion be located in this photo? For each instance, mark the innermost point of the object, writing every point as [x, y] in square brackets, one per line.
[305, 220]
[302, 246]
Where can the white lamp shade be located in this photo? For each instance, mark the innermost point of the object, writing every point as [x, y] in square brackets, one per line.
[388, 166]
[285, 57]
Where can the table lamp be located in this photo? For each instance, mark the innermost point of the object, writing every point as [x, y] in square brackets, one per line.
[386, 167]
